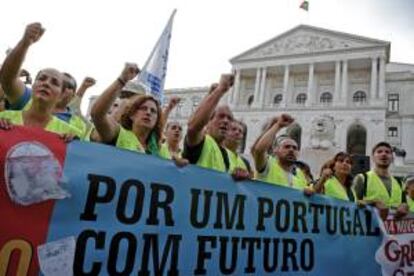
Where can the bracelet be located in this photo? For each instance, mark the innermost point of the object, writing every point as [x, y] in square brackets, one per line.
[121, 81]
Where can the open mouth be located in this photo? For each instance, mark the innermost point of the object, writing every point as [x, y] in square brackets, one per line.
[43, 92]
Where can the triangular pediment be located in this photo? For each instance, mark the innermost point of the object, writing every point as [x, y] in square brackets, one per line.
[308, 40]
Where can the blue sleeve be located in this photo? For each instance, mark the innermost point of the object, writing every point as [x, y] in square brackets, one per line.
[23, 100]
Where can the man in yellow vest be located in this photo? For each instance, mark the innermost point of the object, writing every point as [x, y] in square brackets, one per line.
[233, 141]
[279, 169]
[207, 128]
[377, 186]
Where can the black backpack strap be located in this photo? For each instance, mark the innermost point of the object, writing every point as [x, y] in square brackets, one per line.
[364, 174]
[246, 162]
[225, 157]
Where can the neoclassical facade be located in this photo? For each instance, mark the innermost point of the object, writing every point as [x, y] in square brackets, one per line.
[342, 89]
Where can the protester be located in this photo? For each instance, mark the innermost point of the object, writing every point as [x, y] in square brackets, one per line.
[173, 137]
[62, 110]
[279, 169]
[377, 186]
[207, 128]
[140, 127]
[19, 95]
[336, 178]
[232, 142]
[47, 90]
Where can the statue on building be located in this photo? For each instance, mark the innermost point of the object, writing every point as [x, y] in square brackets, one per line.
[322, 132]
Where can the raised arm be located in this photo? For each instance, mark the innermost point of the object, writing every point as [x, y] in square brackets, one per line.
[265, 141]
[9, 75]
[170, 106]
[107, 128]
[202, 114]
[319, 187]
[77, 100]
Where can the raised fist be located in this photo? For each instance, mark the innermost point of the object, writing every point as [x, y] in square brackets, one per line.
[173, 102]
[88, 82]
[284, 120]
[226, 81]
[212, 87]
[326, 173]
[130, 71]
[33, 33]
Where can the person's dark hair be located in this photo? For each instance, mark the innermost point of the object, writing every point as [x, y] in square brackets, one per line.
[72, 84]
[331, 165]
[132, 107]
[305, 168]
[381, 144]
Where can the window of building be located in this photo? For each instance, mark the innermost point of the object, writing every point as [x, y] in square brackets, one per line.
[301, 98]
[393, 102]
[326, 98]
[277, 99]
[359, 97]
[250, 100]
[392, 132]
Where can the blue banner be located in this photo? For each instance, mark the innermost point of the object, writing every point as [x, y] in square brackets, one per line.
[136, 214]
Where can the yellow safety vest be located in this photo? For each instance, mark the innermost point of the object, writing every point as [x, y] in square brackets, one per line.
[277, 175]
[376, 190]
[335, 189]
[78, 123]
[128, 140]
[55, 125]
[410, 203]
[211, 156]
[235, 161]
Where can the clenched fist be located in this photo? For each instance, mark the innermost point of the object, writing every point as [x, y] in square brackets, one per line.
[33, 33]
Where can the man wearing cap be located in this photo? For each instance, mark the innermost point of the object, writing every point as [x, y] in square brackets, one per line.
[279, 169]
[378, 186]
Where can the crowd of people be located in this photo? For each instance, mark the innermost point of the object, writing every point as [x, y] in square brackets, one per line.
[135, 121]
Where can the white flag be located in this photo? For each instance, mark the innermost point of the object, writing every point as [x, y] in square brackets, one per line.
[152, 76]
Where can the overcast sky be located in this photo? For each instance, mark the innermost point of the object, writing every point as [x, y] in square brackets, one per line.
[91, 37]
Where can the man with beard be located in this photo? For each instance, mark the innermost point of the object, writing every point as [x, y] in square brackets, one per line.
[377, 186]
[279, 169]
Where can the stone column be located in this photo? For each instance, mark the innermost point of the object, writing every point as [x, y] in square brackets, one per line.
[381, 82]
[311, 93]
[374, 64]
[263, 88]
[285, 96]
[344, 92]
[257, 88]
[337, 96]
